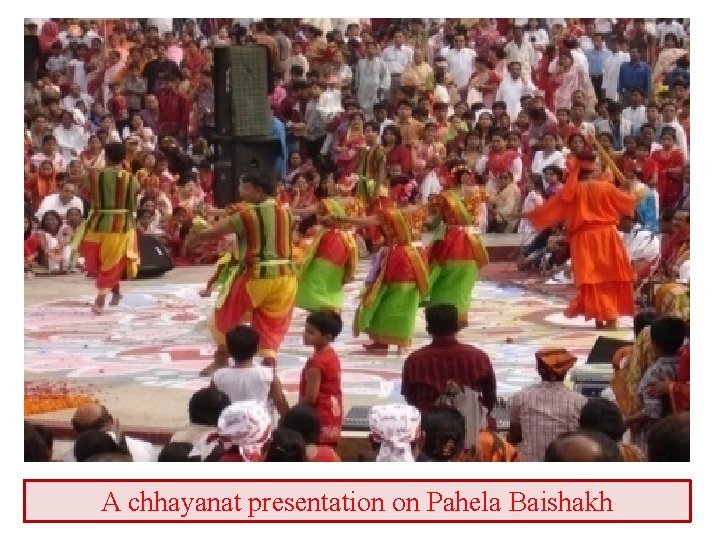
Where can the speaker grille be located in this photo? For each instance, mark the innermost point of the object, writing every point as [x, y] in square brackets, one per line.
[249, 84]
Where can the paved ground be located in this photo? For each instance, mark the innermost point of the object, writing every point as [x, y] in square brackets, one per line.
[141, 359]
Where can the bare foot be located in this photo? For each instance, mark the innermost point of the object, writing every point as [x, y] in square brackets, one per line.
[115, 299]
[99, 305]
[611, 325]
[204, 293]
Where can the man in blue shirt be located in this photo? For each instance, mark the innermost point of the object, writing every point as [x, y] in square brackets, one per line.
[596, 57]
[634, 74]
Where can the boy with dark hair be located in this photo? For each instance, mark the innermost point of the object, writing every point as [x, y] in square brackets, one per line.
[247, 381]
[320, 378]
[668, 335]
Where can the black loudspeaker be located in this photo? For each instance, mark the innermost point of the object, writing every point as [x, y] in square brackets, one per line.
[604, 350]
[154, 258]
[256, 155]
[223, 95]
[250, 84]
[225, 184]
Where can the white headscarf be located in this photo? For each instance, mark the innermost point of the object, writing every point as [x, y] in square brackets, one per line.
[394, 426]
[245, 424]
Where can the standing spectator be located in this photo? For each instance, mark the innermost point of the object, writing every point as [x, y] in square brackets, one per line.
[460, 60]
[397, 57]
[372, 80]
[426, 371]
[205, 106]
[320, 379]
[544, 410]
[597, 55]
[611, 69]
[633, 74]
[246, 380]
[260, 34]
[32, 54]
[669, 120]
[158, 67]
[668, 335]
[512, 88]
[635, 112]
[521, 50]
[134, 87]
[173, 110]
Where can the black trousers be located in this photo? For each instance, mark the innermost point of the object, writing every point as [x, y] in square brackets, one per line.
[597, 85]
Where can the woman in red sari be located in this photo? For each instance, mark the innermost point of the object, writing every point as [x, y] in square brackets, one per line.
[395, 151]
[544, 80]
[670, 161]
[347, 151]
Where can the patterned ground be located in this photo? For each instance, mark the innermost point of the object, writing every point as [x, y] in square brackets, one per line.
[158, 337]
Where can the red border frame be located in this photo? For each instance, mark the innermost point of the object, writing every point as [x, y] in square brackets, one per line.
[336, 480]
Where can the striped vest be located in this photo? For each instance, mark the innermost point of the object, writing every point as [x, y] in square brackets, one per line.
[264, 239]
[112, 195]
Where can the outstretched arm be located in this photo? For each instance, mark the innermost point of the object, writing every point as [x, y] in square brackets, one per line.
[221, 229]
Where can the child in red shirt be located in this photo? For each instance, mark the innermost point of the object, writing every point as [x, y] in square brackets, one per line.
[320, 379]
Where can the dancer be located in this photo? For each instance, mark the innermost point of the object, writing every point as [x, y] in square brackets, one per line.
[457, 253]
[263, 284]
[329, 263]
[601, 267]
[397, 280]
[109, 242]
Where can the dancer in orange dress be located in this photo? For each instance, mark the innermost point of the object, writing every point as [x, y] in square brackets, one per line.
[601, 267]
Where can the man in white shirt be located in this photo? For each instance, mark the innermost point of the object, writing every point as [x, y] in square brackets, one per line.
[69, 102]
[49, 153]
[71, 138]
[635, 113]
[60, 202]
[397, 57]
[519, 50]
[611, 69]
[669, 119]
[643, 246]
[162, 25]
[372, 80]
[461, 61]
[513, 88]
[669, 26]
[95, 417]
